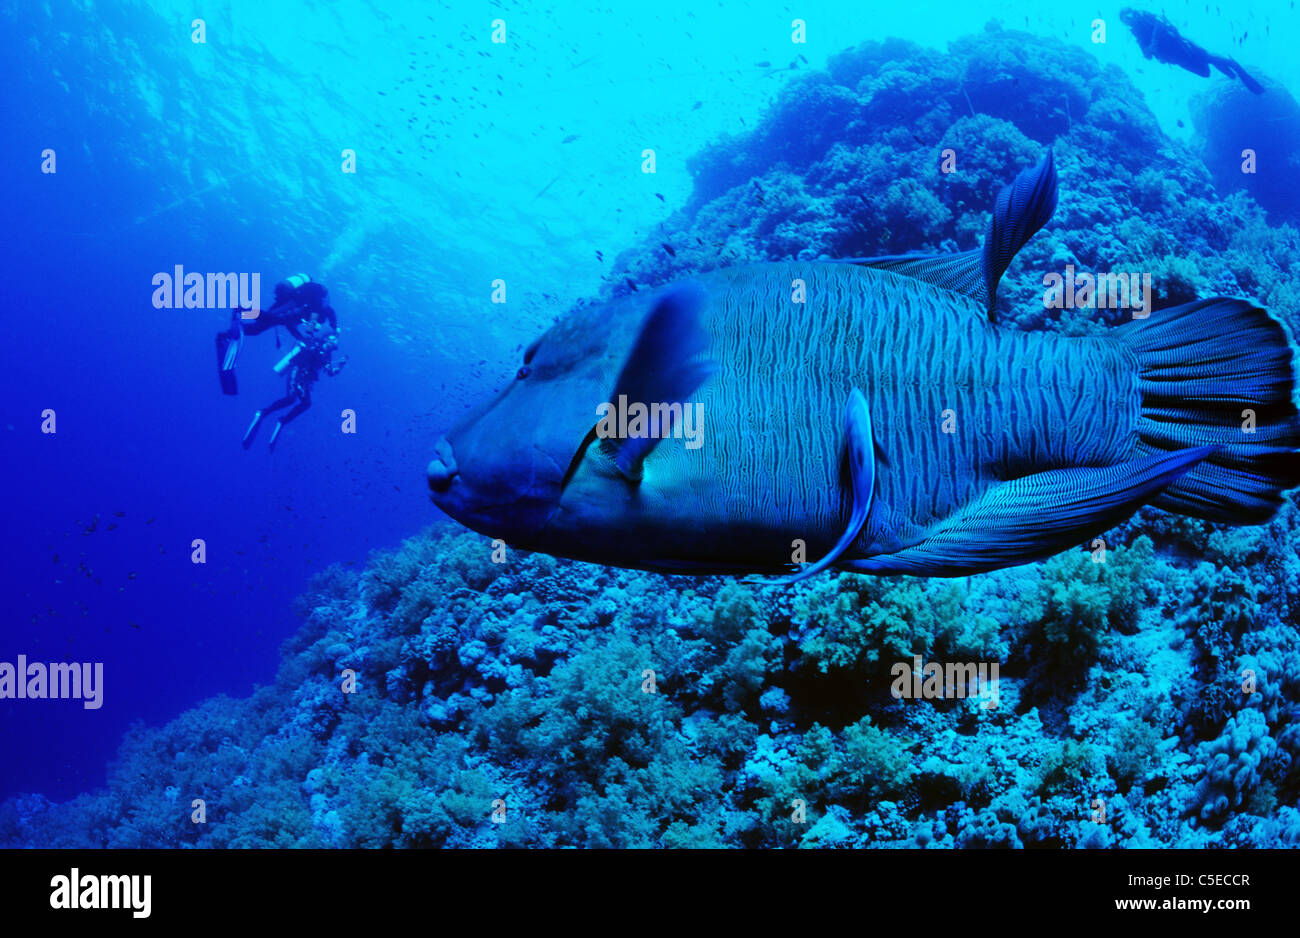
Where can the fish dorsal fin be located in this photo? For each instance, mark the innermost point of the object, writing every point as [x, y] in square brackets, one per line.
[961, 273]
[667, 363]
[1021, 209]
[861, 456]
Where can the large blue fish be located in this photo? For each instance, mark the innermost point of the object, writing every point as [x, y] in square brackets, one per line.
[869, 416]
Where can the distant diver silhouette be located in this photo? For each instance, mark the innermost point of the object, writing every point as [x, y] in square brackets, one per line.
[1159, 40]
[298, 300]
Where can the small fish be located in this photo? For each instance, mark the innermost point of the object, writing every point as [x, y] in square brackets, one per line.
[668, 247]
[570, 138]
[697, 105]
[547, 186]
[600, 257]
[763, 64]
[660, 197]
[631, 284]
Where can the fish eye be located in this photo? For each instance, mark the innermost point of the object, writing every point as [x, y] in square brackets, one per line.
[523, 372]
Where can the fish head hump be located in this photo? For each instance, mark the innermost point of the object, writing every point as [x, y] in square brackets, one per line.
[507, 468]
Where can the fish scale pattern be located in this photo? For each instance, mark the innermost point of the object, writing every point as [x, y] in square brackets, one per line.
[957, 405]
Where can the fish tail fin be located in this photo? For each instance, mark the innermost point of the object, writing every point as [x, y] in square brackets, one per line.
[1219, 372]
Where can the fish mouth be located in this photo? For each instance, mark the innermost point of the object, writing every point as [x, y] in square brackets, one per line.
[488, 509]
[442, 470]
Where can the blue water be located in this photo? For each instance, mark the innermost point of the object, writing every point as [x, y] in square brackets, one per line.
[225, 156]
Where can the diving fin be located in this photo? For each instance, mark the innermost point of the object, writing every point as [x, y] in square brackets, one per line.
[229, 385]
[252, 430]
[1253, 86]
[667, 363]
[228, 346]
[861, 457]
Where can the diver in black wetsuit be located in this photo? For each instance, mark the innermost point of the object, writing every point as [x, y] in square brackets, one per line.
[309, 358]
[298, 300]
[1158, 39]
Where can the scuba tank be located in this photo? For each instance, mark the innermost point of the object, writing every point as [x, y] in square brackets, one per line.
[288, 359]
[313, 338]
[288, 286]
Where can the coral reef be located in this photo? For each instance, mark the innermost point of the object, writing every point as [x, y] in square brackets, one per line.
[560, 704]
[1228, 117]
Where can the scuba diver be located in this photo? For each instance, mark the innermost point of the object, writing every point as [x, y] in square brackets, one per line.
[1158, 39]
[298, 300]
[305, 363]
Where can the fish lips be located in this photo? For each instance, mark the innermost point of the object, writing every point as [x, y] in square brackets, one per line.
[513, 498]
[443, 468]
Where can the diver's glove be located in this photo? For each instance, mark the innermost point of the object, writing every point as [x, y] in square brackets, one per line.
[335, 367]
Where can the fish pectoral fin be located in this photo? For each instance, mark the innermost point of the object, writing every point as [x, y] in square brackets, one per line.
[1036, 516]
[667, 363]
[1022, 207]
[860, 453]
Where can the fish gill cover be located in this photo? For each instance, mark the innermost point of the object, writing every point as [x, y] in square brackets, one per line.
[1146, 695]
